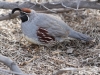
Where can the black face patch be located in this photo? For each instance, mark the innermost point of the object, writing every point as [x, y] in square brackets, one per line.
[44, 36]
[24, 17]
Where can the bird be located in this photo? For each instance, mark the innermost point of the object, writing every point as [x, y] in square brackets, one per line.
[45, 29]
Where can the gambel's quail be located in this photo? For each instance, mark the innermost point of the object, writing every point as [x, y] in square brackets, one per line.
[44, 29]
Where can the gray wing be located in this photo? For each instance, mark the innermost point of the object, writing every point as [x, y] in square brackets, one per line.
[58, 28]
[54, 26]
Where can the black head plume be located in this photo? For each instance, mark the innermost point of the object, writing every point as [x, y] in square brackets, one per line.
[23, 15]
[16, 9]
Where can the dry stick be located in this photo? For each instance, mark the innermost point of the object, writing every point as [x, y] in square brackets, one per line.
[12, 65]
[26, 62]
[12, 16]
[61, 71]
[62, 61]
[9, 16]
[7, 72]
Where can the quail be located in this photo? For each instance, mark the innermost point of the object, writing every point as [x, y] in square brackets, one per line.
[44, 29]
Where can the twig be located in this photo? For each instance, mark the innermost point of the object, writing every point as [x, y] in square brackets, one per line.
[26, 62]
[12, 65]
[62, 61]
[64, 70]
[7, 72]
[9, 16]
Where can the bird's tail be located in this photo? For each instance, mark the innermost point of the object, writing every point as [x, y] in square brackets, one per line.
[80, 36]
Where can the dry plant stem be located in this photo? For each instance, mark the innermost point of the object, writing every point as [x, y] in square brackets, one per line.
[61, 71]
[12, 65]
[12, 16]
[9, 16]
[26, 62]
[61, 61]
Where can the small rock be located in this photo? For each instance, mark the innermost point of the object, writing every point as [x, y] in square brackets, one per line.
[70, 50]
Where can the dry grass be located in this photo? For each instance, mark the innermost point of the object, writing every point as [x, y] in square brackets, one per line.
[45, 61]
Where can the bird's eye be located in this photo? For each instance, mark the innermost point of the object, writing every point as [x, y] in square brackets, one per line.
[24, 17]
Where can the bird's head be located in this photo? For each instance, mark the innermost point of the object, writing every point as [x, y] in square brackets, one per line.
[23, 13]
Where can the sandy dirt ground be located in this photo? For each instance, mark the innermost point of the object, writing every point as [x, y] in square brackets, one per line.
[46, 61]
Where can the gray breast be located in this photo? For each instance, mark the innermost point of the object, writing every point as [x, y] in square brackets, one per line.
[29, 29]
